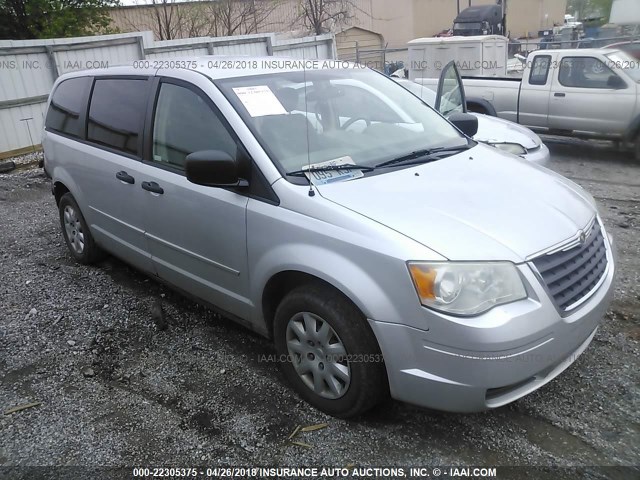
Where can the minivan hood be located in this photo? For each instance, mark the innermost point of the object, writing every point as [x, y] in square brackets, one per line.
[478, 205]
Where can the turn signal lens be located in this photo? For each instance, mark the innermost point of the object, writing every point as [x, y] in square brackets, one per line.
[424, 279]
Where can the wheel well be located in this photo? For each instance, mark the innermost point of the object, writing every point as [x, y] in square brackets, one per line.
[633, 132]
[476, 108]
[59, 189]
[281, 284]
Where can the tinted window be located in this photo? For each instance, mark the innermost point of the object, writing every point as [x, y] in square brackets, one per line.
[66, 106]
[116, 113]
[584, 72]
[184, 123]
[540, 70]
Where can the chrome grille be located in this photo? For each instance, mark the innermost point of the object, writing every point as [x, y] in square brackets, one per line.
[572, 274]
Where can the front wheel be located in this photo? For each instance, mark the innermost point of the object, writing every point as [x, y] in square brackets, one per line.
[328, 352]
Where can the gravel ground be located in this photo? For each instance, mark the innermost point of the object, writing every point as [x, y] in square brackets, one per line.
[27, 160]
[120, 384]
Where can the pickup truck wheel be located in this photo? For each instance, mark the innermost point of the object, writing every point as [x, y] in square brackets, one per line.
[328, 353]
[76, 232]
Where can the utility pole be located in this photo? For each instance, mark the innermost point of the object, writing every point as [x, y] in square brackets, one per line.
[504, 18]
[503, 4]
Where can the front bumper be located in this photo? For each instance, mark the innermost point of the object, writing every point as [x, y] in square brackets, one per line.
[468, 365]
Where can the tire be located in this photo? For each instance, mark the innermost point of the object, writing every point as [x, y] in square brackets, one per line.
[356, 371]
[637, 149]
[76, 232]
[6, 167]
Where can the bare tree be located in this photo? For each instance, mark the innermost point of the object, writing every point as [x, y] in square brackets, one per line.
[322, 16]
[238, 17]
[196, 19]
[163, 17]
[170, 19]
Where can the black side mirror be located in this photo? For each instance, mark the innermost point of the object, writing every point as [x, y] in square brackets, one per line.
[465, 122]
[213, 168]
[616, 82]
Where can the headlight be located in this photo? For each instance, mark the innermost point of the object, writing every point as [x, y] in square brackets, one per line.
[514, 148]
[466, 288]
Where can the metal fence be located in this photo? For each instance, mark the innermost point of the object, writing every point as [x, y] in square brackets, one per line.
[28, 68]
[382, 59]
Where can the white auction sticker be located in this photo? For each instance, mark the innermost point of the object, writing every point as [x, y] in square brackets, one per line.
[259, 101]
[322, 177]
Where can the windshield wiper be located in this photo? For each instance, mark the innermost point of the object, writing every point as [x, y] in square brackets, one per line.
[421, 156]
[327, 168]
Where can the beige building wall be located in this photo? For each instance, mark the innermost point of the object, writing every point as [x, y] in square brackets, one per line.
[398, 21]
[530, 16]
[132, 19]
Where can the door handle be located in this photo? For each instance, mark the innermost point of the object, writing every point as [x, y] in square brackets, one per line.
[153, 187]
[125, 177]
[559, 94]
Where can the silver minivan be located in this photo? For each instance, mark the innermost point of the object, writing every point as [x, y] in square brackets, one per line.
[326, 207]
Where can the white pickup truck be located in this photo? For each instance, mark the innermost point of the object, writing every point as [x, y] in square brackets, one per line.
[590, 93]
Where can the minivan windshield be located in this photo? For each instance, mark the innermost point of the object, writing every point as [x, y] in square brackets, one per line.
[306, 118]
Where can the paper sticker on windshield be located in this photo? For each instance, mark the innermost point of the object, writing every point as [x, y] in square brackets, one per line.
[318, 176]
[259, 101]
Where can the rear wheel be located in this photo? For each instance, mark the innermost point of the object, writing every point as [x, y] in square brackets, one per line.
[328, 352]
[76, 232]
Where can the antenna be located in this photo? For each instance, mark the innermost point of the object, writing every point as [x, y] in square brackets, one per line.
[306, 112]
[422, 64]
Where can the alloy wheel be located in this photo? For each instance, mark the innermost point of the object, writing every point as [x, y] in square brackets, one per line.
[73, 228]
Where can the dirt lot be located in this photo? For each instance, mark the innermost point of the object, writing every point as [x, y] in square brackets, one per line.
[118, 388]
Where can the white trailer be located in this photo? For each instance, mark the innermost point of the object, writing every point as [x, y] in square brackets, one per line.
[625, 12]
[479, 56]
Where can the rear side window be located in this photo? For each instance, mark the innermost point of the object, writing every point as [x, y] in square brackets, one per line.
[540, 70]
[67, 105]
[116, 113]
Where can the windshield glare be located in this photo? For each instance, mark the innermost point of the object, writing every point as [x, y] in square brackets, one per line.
[451, 93]
[307, 118]
[626, 63]
[429, 97]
